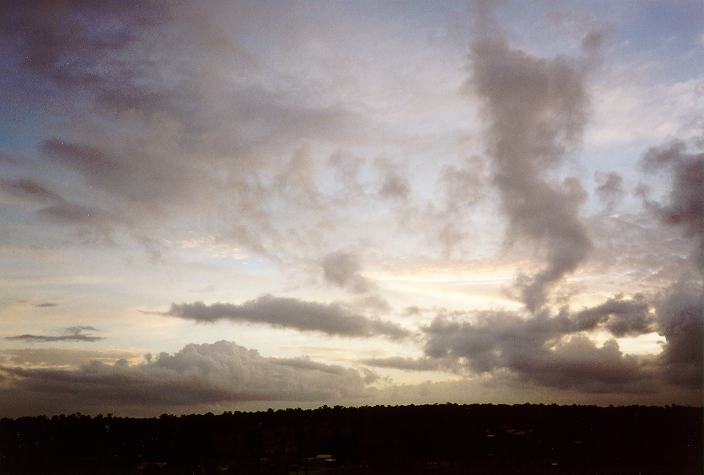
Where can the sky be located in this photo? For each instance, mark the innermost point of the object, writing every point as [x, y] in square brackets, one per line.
[242, 205]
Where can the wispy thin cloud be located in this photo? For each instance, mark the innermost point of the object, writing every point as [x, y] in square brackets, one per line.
[76, 333]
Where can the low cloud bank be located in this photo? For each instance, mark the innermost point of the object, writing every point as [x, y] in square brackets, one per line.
[218, 373]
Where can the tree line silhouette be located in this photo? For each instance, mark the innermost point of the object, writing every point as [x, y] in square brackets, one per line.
[440, 438]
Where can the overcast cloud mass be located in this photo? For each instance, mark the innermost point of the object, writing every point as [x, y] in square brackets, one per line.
[246, 204]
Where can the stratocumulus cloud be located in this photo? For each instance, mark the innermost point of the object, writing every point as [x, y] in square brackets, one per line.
[333, 319]
[554, 351]
[534, 349]
[221, 372]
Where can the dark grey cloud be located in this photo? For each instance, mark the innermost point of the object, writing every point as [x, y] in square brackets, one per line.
[491, 342]
[555, 351]
[548, 350]
[535, 349]
[64, 42]
[536, 110]
[681, 321]
[333, 319]
[609, 189]
[46, 304]
[195, 376]
[679, 314]
[343, 269]
[29, 190]
[619, 316]
[76, 333]
[578, 363]
[685, 204]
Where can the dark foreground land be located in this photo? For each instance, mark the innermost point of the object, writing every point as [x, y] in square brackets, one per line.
[431, 439]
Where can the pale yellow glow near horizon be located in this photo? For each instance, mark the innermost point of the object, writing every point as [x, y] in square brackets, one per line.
[488, 285]
[470, 287]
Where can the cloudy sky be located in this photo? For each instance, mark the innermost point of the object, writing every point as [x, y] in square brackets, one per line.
[242, 205]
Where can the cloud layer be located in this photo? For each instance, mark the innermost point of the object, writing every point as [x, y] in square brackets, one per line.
[70, 334]
[332, 319]
[218, 373]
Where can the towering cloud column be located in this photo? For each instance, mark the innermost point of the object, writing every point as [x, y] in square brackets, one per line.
[535, 111]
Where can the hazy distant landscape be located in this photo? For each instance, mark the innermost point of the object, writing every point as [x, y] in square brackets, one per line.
[439, 438]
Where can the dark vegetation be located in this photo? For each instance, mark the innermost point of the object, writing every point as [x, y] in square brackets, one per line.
[445, 438]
